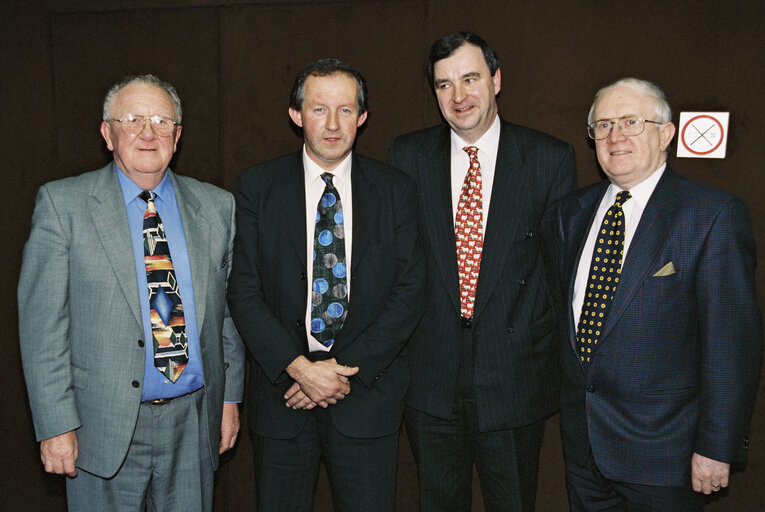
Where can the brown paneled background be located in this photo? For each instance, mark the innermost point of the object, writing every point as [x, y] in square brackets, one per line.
[233, 63]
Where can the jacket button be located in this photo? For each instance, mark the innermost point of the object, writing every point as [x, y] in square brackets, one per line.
[303, 277]
[521, 282]
[590, 389]
[300, 323]
[529, 234]
[140, 343]
[135, 384]
[510, 330]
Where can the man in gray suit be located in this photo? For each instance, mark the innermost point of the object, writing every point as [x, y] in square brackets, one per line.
[127, 347]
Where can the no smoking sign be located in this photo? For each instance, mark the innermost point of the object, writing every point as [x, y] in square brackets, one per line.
[703, 134]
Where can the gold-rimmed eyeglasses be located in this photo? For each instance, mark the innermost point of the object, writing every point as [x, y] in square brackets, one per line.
[629, 126]
[133, 124]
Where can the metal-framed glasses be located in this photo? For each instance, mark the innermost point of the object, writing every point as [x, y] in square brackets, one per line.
[629, 126]
[133, 124]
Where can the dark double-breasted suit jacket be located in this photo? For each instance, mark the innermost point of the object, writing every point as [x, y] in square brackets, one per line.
[268, 293]
[514, 330]
[675, 370]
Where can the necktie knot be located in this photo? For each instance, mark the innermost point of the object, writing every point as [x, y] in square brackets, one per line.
[327, 177]
[472, 152]
[622, 197]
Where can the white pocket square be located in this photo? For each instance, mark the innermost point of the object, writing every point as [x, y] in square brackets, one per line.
[666, 270]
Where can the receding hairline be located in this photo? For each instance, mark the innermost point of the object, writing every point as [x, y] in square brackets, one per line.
[644, 88]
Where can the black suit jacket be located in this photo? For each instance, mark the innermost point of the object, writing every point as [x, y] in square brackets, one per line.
[514, 331]
[268, 293]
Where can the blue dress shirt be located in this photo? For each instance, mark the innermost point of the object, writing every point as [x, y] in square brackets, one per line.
[155, 384]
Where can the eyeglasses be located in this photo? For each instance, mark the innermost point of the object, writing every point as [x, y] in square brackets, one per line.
[629, 126]
[133, 124]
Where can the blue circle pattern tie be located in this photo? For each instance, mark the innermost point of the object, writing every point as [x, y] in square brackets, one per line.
[168, 325]
[605, 269]
[329, 297]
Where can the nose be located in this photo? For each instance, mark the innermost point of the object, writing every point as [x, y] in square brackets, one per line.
[147, 130]
[459, 93]
[333, 121]
[616, 134]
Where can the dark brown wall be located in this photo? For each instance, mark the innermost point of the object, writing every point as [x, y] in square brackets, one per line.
[233, 63]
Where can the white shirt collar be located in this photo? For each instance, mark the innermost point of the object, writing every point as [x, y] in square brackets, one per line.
[641, 192]
[313, 171]
[488, 143]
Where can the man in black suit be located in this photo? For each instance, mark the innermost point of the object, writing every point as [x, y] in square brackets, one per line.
[483, 359]
[328, 332]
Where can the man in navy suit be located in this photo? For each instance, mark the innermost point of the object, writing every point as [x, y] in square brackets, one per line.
[325, 303]
[663, 332]
[484, 358]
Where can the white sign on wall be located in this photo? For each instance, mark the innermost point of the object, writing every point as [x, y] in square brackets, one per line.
[702, 134]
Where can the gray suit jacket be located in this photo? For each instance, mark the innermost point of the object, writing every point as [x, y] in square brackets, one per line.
[82, 340]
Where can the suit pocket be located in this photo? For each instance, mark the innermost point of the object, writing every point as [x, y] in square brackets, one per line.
[80, 378]
[543, 325]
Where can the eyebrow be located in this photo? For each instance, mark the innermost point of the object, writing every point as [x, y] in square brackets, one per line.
[472, 74]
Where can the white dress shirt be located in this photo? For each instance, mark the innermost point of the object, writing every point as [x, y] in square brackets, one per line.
[488, 146]
[314, 187]
[633, 210]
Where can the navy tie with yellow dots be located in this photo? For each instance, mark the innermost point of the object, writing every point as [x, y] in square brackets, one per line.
[329, 297]
[605, 269]
[168, 325]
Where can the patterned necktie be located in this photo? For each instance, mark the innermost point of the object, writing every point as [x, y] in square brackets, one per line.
[168, 326]
[468, 233]
[605, 269]
[329, 297]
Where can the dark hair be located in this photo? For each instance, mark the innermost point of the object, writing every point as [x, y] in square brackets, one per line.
[447, 45]
[326, 67]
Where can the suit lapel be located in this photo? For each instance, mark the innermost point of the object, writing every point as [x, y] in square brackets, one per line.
[291, 191]
[197, 233]
[366, 205]
[501, 226]
[577, 227]
[107, 210]
[436, 196]
[652, 231]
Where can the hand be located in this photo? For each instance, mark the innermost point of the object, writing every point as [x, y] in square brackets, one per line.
[297, 399]
[229, 427]
[59, 453]
[708, 475]
[324, 382]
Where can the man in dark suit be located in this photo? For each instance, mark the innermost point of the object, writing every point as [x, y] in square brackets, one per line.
[663, 332]
[325, 298]
[483, 359]
[126, 385]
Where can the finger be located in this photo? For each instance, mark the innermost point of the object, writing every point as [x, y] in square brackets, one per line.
[348, 371]
[294, 388]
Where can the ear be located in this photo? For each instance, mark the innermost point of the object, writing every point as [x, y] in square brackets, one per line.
[497, 79]
[106, 133]
[296, 117]
[177, 137]
[362, 119]
[666, 133]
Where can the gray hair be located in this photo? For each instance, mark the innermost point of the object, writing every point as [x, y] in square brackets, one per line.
[650, 89]
[141, 79]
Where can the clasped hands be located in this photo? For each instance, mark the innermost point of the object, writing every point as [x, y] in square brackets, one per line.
[320, 383]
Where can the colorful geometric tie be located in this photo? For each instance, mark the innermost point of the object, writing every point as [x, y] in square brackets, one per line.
[468, 233]
[329, 303]
[606, 267]
[168, 326]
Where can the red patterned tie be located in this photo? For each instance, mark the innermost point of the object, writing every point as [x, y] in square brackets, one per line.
[468, 232]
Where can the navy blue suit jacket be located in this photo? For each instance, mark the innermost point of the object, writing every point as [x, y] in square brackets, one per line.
[268, 293]
[676, 368]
